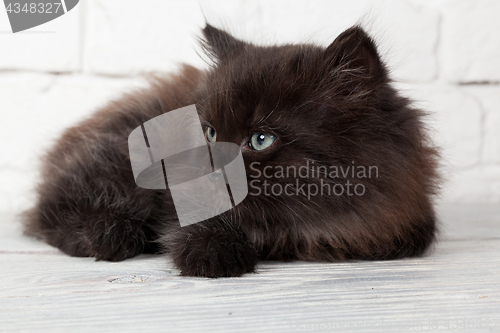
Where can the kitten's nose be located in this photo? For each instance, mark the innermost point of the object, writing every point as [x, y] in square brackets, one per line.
[218, 175]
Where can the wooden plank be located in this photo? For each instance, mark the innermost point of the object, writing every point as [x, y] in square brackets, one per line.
[42, 291]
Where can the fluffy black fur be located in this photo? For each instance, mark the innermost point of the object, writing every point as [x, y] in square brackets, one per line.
[333, 106]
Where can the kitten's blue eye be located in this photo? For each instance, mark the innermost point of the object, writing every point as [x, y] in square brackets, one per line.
[261, 141]
[211, 134]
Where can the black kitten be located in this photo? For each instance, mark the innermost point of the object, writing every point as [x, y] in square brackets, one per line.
[331, 111]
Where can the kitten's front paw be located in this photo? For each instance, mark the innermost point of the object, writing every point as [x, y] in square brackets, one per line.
[113, 239]
[214, 254]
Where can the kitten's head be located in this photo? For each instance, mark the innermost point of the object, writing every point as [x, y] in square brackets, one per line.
[308, 106]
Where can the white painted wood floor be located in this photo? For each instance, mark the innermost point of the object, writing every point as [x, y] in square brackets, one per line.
[457, 287]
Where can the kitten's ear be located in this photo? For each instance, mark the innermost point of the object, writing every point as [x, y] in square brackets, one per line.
[218, 44]
[355, 51]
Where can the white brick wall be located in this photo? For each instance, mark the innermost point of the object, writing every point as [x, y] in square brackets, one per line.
[446, 54]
